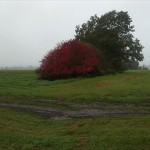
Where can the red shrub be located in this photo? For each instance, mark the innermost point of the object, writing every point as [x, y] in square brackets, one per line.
[69, 59]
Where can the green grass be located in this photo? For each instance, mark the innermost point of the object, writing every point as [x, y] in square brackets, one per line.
[22, 131]
[130, 87]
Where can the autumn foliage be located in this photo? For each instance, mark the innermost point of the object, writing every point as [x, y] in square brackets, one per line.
[69, 59]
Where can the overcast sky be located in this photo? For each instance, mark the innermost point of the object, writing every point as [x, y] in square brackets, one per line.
[29, 29]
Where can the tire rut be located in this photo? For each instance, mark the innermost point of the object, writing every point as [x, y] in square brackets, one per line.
[82, 113]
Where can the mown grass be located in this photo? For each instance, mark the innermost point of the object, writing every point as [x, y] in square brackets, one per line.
[130, 87]
[22, 131]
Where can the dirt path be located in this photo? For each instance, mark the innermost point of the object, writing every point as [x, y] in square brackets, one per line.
[98, 109]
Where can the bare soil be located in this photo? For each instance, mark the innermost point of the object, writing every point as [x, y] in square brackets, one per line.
[71, 111]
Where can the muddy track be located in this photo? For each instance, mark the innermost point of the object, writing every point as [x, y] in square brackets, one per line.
[83, 110]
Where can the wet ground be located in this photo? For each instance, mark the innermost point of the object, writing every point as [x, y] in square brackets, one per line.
[70, 111]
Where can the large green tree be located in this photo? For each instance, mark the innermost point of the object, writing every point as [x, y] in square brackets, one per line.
[112, 35]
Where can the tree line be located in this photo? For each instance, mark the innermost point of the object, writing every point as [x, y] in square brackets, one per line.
[108, 37]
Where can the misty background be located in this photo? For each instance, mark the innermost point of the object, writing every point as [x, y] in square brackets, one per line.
[29, 29]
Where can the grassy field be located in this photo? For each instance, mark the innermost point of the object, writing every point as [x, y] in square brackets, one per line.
[21, 131]
[130, 87]
[24, 131]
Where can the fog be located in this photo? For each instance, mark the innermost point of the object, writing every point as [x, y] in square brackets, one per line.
[29, 29]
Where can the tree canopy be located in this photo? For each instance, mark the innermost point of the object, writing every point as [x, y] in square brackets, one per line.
[112, 35]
